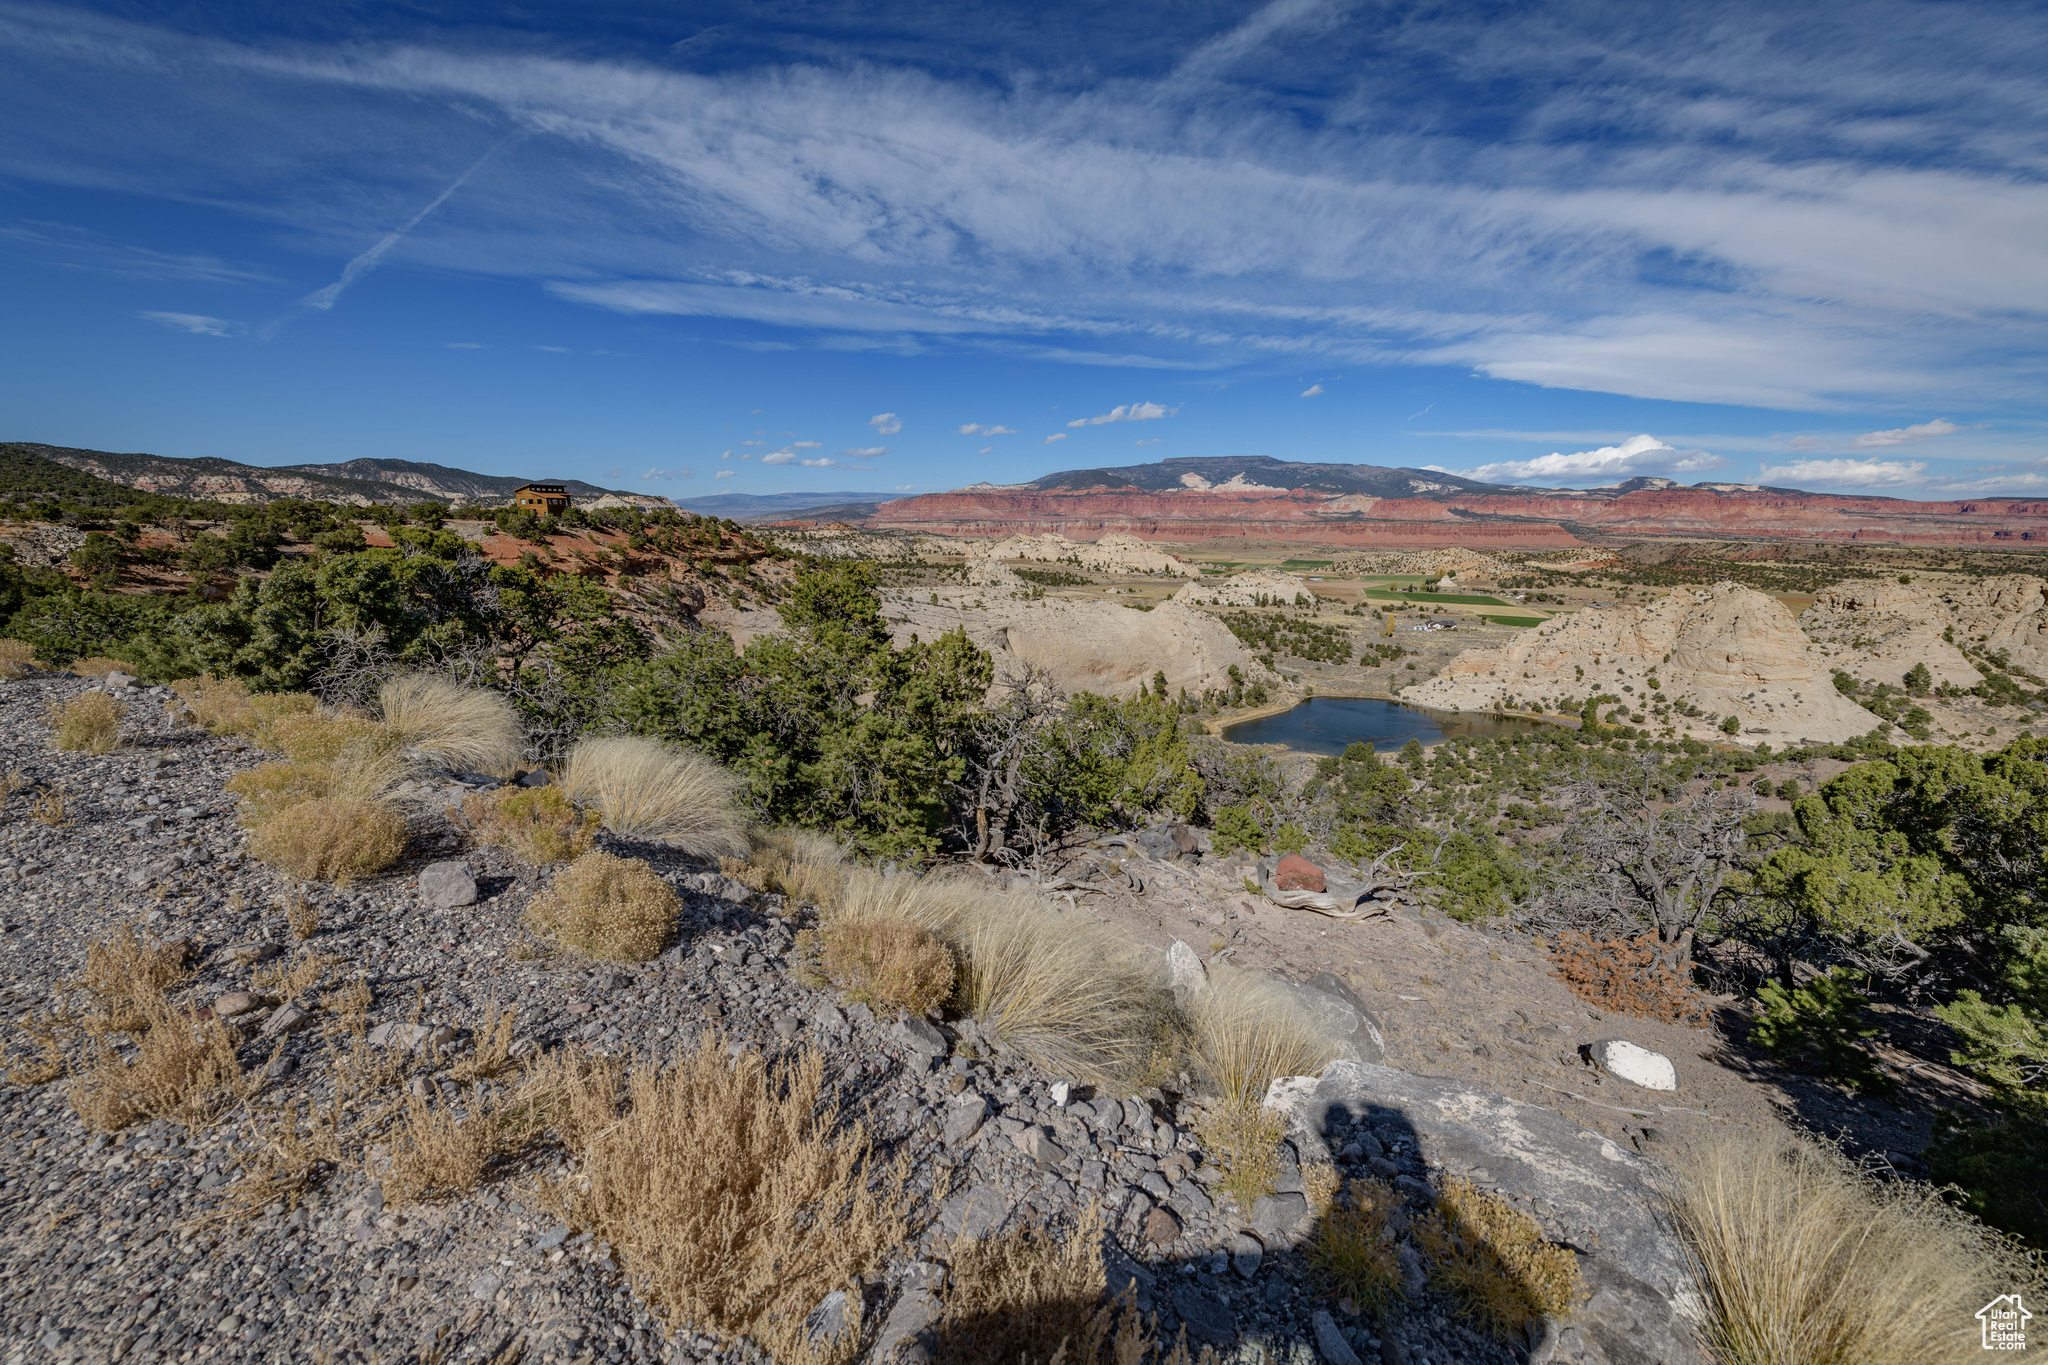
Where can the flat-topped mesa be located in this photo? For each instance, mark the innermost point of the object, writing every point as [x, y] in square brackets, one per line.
[1724, 650]
[1113, 553]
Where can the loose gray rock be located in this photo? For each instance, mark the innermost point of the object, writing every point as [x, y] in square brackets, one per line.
[1208, 1319]
[1633, 1063]
[964, 1118]
[447, 885]
[973, 1214]
[238, 1002]
[920, 1036]
[537, 778]
[1340, 1016]
[1277, 1218]
[399, 1035]
[1246, 1252]
[1330, 1342]
[288, 1018]
[1185, 973]
[829, 1320]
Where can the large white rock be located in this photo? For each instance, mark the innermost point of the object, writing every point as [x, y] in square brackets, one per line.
[1635, 1064]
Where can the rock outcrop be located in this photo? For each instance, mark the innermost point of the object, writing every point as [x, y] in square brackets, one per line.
[1101, 647]
[1246, 589]
[1877, 629]
[1726, 650]
[1113, 553]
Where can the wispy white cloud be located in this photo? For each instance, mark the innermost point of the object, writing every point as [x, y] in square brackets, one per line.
[1152, 441]
[976, 428]
[886, 423]
[1311, 391]
[366, 261]
[725, 473]
[806, 445]
[1638, 455]
[905, 487]
[464, 346]
[666, 474]
[1868, 473]
[77, 248]
[1127, 412]
[199, 324]
[866, 452]
[1899, 436]
[1056, 436]
[554, 350]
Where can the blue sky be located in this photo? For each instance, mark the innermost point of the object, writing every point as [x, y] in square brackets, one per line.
[747, 248]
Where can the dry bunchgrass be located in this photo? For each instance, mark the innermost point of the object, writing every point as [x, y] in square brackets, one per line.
[604, 906]
[540, 824]
[91, 723]
[219, 704]
[330, 736]
[1022, 1295]
[735, 1195]
[15, 658]
[49, 809]
[433, 1152]
[1491, 1258]
[1243, 1139]
[886, 961]
[808, 868]
[645, 789]
[368, 774]
[492, 1054]
[1247, 1032]
[465, 728]
[127, 976]
[1352, 1252]
[301, 912]
[98, 666]
[331, 840]
[1806, 1259]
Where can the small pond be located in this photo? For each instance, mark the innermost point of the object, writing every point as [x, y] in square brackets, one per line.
[1327, 725]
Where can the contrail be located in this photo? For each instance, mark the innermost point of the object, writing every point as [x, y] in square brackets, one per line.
[362, 265]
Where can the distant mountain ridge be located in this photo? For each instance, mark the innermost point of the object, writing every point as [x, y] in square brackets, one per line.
[1261, 473]
[360, 482]
[767, 506]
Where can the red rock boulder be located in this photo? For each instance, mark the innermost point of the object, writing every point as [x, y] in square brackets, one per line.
[1296, 873]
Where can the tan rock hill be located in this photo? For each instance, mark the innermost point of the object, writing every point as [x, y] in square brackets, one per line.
[1113, 553]
[1245, 589]
[1101, 647]
[1877, 629]
[1726, 650]
[1452, 559]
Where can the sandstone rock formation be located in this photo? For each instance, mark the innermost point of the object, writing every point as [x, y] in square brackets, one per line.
[1113, 553]
[1101, 647]
[1726, 650]
[1245, 589]
[1877, 629]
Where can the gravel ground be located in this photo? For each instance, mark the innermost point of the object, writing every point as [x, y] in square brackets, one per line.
[114, 1247]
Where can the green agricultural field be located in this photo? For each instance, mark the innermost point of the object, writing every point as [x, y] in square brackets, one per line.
[1517, 621]
[1466, 599]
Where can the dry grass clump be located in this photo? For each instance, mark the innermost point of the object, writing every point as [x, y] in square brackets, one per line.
[15, 657]
[1247, 1032]
[219, 704]
[466, 728]
[184, 1070]
[646, 789]
[329, 736]
[608, 907]
[127, 975]
[331, 839]
[807, 868]
[540, 824]
[91, 723]
[97, 666]
[886, 961]
[1245, 1141]
[735, 1196]
[49, 809]
[1067, 992]
[1491, 1258]
[1806, 1259]
[1023, 1295]
[433, 1153]
[1352, 1252]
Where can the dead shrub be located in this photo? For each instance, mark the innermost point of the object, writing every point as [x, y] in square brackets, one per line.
[468, 729]
[1491, 1258]
[49, 809]
[492, 1053]
[886, 961]
[645, 789]
[329, 737]
[98, 666]
[431, 1152]
[301, 912]
[127, 975]
[540, 824]
[1805, 1258]
[15, 658]
[1022, 1295]
[735, 1196]
[331, 840]
[184, 1071]
[1624, 976]
[271, 709]
[604, 906]
[91, 723]
[1353, 1252]
[219, 704]
[807, 868]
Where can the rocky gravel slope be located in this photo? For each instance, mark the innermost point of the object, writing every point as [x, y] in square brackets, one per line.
[126, 1245]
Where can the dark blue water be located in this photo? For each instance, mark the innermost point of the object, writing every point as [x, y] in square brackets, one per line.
[1327, 725]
